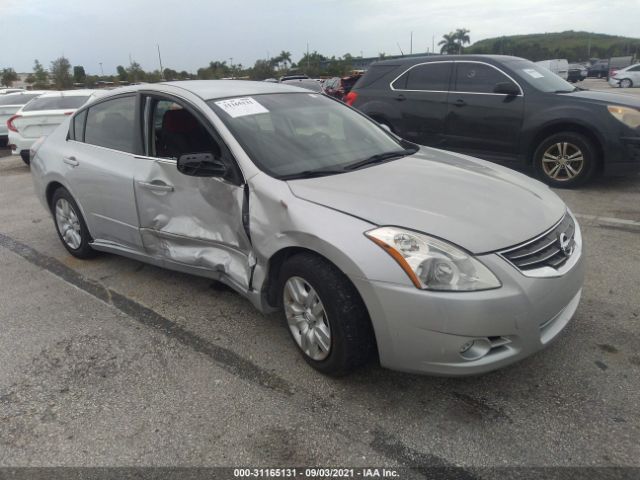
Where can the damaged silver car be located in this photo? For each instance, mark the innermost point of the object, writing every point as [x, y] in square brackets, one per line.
[372, 247]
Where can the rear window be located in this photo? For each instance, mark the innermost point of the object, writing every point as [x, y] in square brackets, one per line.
[375, 73]
[17, 98]
[56, 103]
[429, 76]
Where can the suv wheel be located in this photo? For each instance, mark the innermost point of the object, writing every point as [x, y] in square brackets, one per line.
[325, 315]
[626, 83]
[565, 160]
[70, 225]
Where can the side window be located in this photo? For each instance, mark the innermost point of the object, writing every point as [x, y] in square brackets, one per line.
[431, 76]
[78, 126]
[111, 124]
[477, 77]
[635, 69]
[175, 131]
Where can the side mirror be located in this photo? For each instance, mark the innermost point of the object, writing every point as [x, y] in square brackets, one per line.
[506, 88]
[386, 127]
[201, 165]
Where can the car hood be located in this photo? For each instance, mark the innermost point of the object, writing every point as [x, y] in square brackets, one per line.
[606, 97]
[477, 205]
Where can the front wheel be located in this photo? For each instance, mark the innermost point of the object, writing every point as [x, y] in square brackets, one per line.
[565, 160]
[626, 83]
[70, 225]
[325, 315]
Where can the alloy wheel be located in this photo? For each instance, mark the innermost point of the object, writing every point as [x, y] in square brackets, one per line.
[562, 161]
[307, 318]
[68, 224]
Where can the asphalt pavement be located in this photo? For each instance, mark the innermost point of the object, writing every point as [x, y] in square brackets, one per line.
[113, 362]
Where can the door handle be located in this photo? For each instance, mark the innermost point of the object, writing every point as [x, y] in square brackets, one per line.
[71, 161]
[156, 187]
[459, 103]
[401, 98]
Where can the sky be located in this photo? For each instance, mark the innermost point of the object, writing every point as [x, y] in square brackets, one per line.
[191, 33]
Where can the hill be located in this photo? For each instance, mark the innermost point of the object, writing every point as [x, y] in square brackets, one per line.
[574, 46]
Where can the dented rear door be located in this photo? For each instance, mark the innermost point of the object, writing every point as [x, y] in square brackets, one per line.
[194, 222]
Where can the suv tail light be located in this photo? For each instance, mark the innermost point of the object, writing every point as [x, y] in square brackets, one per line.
[350, 98]
[10, 124]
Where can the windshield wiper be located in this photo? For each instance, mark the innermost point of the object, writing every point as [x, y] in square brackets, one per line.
[380, 157]
[319, 172]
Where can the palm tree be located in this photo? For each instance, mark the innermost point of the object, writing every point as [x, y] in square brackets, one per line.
[449, 43]
[285, 57]
[462, 36]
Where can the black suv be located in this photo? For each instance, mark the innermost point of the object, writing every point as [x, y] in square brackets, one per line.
[507, 110]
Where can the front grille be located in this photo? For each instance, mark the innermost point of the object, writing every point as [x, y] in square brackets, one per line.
[547, 249]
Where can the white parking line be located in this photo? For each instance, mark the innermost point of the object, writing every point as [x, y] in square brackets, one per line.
[608, 220]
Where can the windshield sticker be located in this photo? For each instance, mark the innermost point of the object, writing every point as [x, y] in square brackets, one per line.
[533, 73]
[240, 107]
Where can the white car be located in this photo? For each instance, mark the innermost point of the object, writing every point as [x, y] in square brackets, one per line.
[626, 77]
[9, 105]
[5, 91]
[41, 116]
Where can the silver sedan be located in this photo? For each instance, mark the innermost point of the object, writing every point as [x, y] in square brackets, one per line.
[373, 247]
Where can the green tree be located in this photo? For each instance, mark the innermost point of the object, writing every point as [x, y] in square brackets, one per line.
[79, 75]
[40, 75]
[170, 74]
[262, 69]
[8, 76]
[449, 43]
[122, 73]
[135, 73]
[462, 37]
[61, 73]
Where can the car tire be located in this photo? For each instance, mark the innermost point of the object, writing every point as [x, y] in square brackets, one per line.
[70, 225]
[325, 315]
[625, 83]
[25, 157]
[565, 160]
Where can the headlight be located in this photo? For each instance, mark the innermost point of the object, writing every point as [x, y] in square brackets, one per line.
[432, 264]
[629, 116]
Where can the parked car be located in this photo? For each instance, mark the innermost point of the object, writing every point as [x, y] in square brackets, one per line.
[618, 63]
[371, 245]
[9, 105]
[599, 69]
[5, 91]
[507, 110]
[337, 87]
[298, 76]
[40, 117]
[307, 83]
[559, 66]
[626, 77]
[576, 73]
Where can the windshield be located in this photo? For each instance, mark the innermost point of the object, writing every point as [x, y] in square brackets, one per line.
[17, 98]
[540, 78]
[56, 103]
[290, 134]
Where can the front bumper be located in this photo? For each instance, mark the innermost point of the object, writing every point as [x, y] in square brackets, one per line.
[423, 331]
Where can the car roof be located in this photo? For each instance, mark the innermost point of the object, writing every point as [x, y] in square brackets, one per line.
[443, 58]
[213, 89]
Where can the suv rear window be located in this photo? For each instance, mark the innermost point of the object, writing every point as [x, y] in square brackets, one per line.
[56, 103]
[429, 76]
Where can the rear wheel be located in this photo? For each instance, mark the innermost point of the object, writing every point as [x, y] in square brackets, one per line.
[565, 160]
[70, 225]
[24, 154]
[325, 315]
[626, 83]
